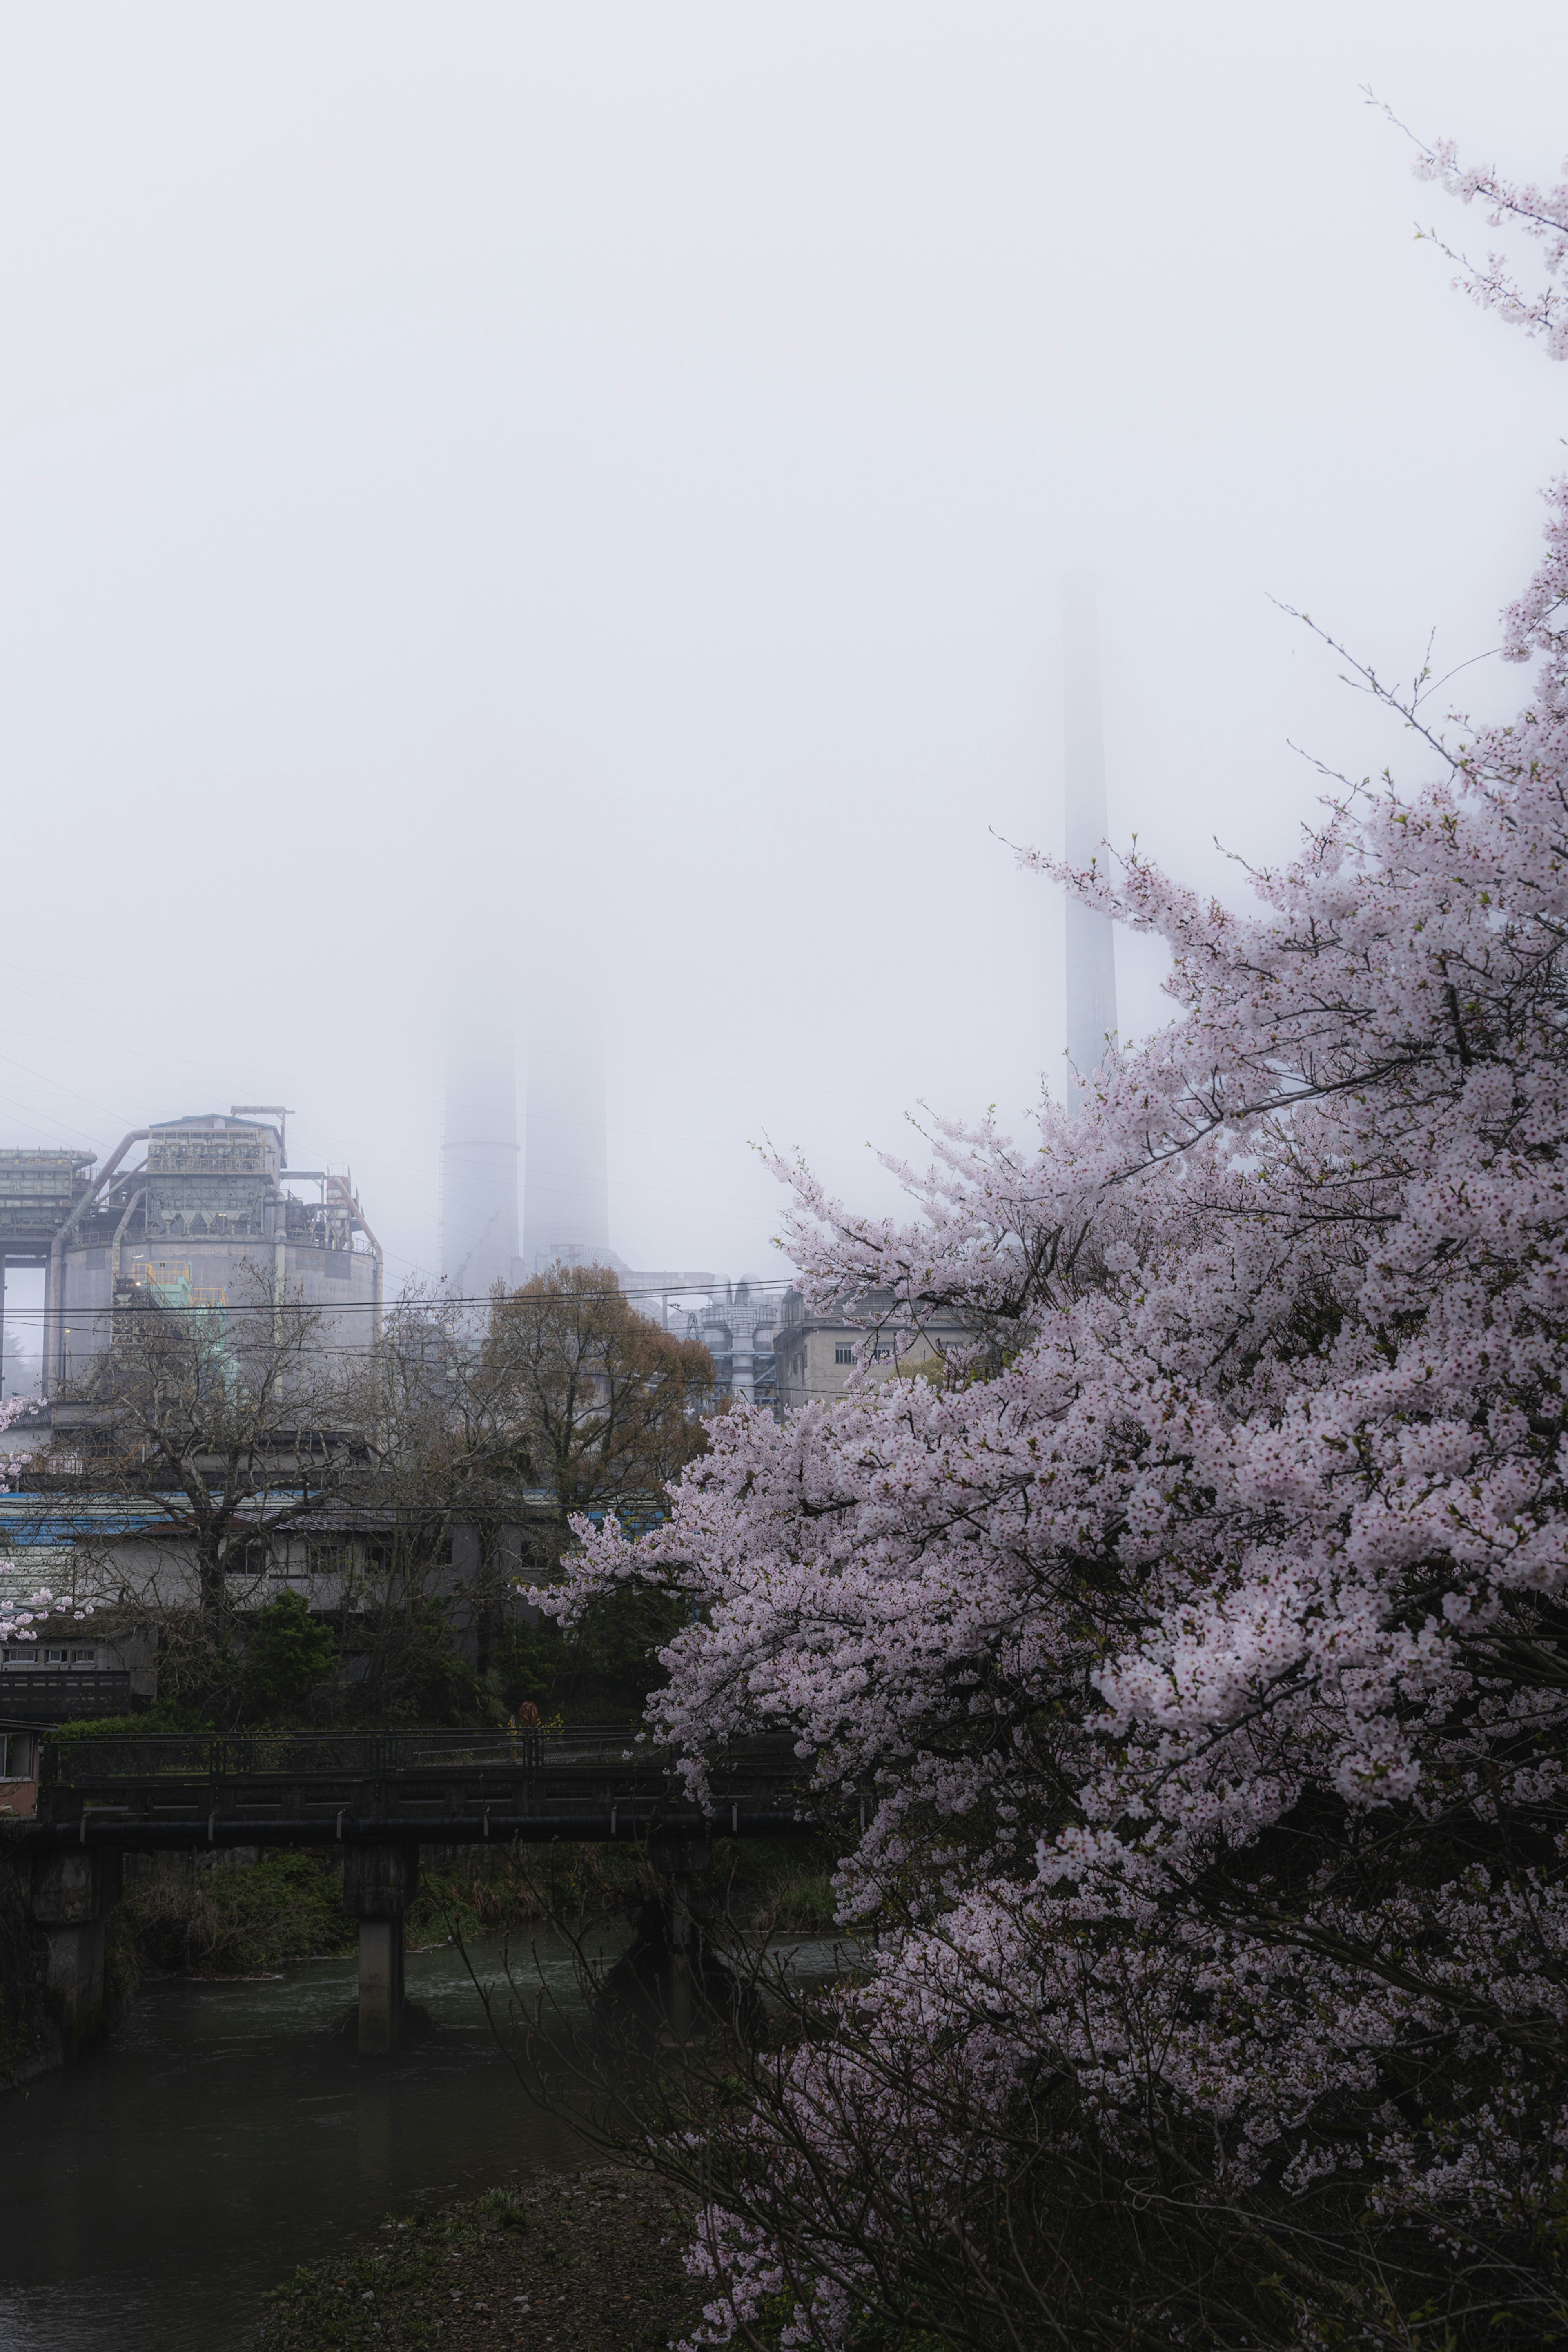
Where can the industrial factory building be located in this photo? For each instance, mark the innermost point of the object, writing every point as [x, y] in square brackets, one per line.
[209, 1214]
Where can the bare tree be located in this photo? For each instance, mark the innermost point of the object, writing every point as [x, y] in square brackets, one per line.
[602, 1403]
[449, 1484]
[223, 1429]
[487, 1441]
[417, 1483]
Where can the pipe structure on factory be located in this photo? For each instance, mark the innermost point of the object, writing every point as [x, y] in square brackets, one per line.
[53, 1300]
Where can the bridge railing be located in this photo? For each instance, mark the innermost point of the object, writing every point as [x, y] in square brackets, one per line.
[319, 1754]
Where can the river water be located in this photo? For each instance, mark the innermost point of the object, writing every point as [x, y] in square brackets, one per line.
[155, 2192]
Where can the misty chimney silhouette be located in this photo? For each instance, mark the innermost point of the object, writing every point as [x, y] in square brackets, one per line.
[479, 1149]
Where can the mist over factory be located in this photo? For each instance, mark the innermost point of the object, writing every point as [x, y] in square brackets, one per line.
[205, 1209]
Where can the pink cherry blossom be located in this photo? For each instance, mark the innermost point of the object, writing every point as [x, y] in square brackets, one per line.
[1195, 1647]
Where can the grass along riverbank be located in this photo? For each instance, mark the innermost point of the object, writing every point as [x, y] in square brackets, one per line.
[580, 2261]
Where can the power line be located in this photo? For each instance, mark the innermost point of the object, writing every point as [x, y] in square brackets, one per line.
[390, 1308]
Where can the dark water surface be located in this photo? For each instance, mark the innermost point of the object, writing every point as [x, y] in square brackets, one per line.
[155, 2191]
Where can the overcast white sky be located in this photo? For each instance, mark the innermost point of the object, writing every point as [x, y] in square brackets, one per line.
[464, 463]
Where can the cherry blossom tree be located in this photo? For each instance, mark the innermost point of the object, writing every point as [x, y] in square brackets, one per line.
[1196, 1648]
[18, 1618]
[1540, 215]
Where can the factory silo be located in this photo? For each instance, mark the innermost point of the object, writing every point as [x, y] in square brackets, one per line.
[210, 1218]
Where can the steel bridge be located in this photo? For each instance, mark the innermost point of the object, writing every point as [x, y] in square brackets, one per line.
[378, 1796]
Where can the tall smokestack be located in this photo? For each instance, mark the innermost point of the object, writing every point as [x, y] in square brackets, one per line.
[479, 1152]
[566, 1187]
[1090, 941]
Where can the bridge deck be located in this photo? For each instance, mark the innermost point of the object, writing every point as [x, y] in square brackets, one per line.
[438, 1787]
[380, 1796]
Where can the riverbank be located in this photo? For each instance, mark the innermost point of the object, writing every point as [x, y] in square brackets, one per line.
[578, 2262]
[226, 2131]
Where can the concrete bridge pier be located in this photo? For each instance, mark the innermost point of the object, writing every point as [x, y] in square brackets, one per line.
[73, 1892]
[379, 1883]
[683, 1853]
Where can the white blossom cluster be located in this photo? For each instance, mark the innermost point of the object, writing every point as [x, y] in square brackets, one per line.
[19, 1618]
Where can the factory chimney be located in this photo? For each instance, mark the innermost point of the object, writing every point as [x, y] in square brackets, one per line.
[565, 1191]
[480, 1150]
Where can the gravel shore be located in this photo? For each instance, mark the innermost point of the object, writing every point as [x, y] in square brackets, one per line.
[577, 2262]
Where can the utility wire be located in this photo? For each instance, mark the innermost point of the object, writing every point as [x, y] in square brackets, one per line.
[392, 1308]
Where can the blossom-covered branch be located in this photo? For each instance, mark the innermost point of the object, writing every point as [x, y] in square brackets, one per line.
[1538, 213]
[1198, 1648]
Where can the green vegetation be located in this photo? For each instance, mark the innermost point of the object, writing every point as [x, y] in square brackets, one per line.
[600, 1672]
[575, 1882]
[770, 1884]
[794, 1901]
[343, 2304]
[234, 1919]
[185, 1916]
[287, 1653]
[414, 1673]
[501, 2209]
[166, 1716]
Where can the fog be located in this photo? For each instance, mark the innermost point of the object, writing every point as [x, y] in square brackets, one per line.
[586, 490]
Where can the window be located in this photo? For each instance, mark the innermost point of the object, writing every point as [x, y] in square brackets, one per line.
[84, 1657]
[57, 1658]
[842, 1355]
[22, 1656]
